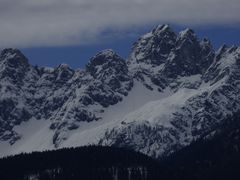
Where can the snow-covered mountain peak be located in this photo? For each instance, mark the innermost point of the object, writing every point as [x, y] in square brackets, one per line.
[106, 53]
[13, 58]
[224, 47]
[105, 64]
[63, 72]
[103, 57]
[171, 90]
[153, 47]
[162, 30]
[160, 56]
[9, 52]
[206, 44]
[14, 66]
[63, 66]
[187, 33]
[162, 27]
[187, 38]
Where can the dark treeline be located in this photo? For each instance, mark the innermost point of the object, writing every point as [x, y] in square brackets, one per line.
[84, 163]
[209, 158]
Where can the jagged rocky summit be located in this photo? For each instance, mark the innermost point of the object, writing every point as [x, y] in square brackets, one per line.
[173, 89]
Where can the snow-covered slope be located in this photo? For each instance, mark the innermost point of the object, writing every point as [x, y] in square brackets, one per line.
[173, 89]
[38, 136]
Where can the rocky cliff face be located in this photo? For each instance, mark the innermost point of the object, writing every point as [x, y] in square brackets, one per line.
[172, 89]
[61, 95]
[205, 86]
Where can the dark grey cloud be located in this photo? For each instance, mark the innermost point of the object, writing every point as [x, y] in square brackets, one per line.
[28, 23]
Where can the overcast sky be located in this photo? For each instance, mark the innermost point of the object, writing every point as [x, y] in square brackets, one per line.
[43, 23]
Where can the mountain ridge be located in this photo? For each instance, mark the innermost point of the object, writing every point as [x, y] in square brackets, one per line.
[166, 94]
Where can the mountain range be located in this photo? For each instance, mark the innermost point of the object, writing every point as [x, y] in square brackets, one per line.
[172, 90]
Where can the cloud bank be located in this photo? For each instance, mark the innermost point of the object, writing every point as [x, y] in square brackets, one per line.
[29, 23]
